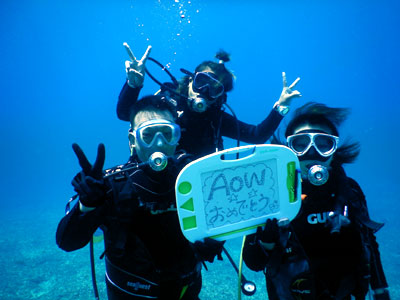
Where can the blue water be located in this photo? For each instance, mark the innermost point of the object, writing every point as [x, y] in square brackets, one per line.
[62, 67]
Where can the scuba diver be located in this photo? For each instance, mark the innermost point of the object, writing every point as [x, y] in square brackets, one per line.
[146, 254]
[329, 251]
[201, 98]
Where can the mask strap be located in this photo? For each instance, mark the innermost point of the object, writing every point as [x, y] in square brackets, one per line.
[131, 144]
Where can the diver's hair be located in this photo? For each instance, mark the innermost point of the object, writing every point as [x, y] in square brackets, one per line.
[319, 114]
[183, 87]
[224, 75]
[152, 103]
[223, 56]
[347, 153]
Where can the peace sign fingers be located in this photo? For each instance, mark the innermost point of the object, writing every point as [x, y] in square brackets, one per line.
[83, 161]
[294, 83]
[88, 170]
[288, 94]
[129, 51]
[97, 170]
[145, 55]
[284, 79]
[135, 69]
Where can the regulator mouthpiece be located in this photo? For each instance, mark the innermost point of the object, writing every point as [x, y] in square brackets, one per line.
[158, 161]
[198, 105]
[318, 175]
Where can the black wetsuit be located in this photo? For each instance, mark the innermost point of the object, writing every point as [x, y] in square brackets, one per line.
[146, 252]
[333, 265]
[202, 132]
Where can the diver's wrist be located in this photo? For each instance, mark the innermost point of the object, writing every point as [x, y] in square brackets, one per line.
[267, 246]
[84, 208]
[133, 85]
[281, 109]
[381, 294]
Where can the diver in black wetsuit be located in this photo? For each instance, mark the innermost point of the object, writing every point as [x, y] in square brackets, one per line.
[329, 250]
[200, 99]
[146, 255]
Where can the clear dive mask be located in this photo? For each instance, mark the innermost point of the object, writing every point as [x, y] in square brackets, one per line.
[206, 83]
[153, 131]
[324, 144]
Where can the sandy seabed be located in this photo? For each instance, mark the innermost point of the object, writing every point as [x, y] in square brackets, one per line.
[35, 268]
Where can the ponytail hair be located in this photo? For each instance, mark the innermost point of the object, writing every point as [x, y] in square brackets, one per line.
[224, 75]
[223, 56]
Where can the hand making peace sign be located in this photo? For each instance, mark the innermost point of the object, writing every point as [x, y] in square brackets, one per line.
[288, 94]
[135, 69]
[89, 183]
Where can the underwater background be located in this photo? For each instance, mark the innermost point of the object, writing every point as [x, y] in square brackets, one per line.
[62, 68]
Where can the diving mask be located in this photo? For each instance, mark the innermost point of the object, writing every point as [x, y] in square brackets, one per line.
[324, 144]
[150, 132]
[206, 83]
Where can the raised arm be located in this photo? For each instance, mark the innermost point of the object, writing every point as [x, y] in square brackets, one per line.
[76, 228]
[135, 72]
[259, 134]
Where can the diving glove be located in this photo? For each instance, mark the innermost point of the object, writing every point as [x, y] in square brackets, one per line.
[336, 221]
[270, 234]
[209, 249]
[91, 191]
[89, 183]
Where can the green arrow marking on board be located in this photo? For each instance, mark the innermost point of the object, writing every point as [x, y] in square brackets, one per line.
[188, 205]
